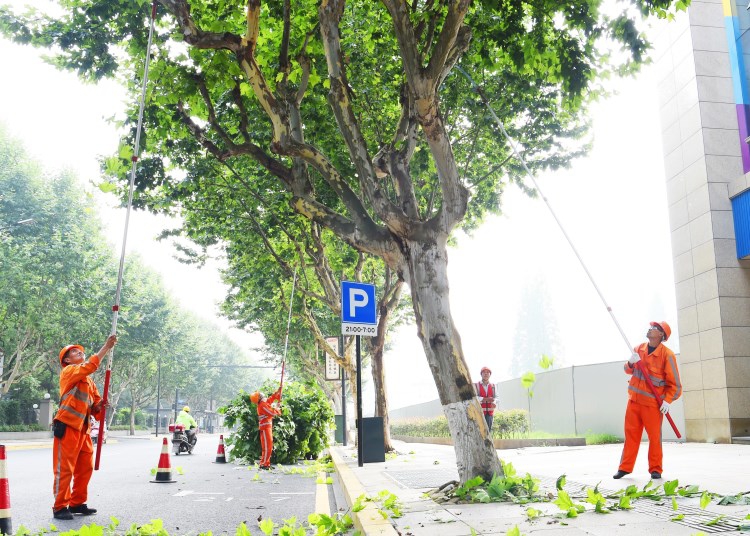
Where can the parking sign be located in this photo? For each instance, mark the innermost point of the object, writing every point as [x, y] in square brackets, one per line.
[358, 309]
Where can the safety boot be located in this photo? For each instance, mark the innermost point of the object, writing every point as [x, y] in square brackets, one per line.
[655, 475]
[620, 473]
[82, 509]
[62, 513]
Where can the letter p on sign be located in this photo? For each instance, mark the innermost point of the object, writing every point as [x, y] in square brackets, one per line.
[357, 298]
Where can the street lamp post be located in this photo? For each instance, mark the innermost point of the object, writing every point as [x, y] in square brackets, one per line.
[158, 392]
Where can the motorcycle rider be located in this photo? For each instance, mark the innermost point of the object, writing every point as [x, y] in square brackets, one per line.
[191, 427]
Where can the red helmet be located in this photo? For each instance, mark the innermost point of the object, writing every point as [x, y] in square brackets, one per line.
[254, 397]
[68, 347]
[485, 368]
[664, 327]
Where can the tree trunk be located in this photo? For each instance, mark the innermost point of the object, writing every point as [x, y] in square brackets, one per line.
[475, 452]
[132, 417]
[381, 395]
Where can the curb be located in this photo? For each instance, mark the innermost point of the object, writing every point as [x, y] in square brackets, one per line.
[368, 520]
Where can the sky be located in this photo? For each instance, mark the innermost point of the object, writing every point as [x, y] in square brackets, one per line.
[612, 204]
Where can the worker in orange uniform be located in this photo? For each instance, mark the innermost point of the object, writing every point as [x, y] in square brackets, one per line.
[72, 450]
[266, 412]
[644, 410]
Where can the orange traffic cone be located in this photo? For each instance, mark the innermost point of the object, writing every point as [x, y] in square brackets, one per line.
[220, 455]
[164, 471]
[6, 527]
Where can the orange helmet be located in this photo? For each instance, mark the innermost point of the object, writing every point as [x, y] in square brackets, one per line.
[664, 327]
[485, 368]
[255, 397]
[68, 347]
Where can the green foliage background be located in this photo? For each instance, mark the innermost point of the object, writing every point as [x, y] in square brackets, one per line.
[301, 431]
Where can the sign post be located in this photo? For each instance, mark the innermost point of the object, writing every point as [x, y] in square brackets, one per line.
[335, 372]
[358, 318]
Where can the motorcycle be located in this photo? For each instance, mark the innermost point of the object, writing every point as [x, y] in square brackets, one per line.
[182, 441]
[94, 431]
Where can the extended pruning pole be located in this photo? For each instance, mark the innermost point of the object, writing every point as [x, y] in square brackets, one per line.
[562, 229]
[286, 339]
[116, 306]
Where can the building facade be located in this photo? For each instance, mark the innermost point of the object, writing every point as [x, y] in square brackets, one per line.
[704, 105]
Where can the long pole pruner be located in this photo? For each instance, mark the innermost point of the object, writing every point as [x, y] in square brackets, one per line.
[286, 339]
[116, 306]
[562, 229]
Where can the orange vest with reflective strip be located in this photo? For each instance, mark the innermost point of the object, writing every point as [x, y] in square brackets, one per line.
[78, 393]
[488, 391]
[266, 412]
[661, 365]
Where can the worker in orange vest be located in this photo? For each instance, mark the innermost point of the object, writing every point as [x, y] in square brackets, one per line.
[644, 410]
[485, 391]
[266, 412]
[72, 450]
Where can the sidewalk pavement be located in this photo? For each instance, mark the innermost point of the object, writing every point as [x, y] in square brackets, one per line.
[722, 469]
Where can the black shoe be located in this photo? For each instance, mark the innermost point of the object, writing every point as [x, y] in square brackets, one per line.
[655, 475]
[62, 513]
[82, 509]
[265, 467]
[620, 473]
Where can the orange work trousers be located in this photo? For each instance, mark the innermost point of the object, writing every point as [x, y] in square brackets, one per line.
[266, 446]
[638, 417]
[72, 459]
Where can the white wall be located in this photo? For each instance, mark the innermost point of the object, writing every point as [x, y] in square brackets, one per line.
[571, 400]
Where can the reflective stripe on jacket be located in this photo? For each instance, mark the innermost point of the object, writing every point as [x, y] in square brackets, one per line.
[266, 412]
[661, 365]
[484, 392]
[78, 393]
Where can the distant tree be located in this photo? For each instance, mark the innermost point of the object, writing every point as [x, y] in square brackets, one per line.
[54, 267]
[536, 330]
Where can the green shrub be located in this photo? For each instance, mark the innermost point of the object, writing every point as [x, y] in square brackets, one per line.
[10, 412]
[602, 439]
[23, 428]
[301, 431]
[509, 424]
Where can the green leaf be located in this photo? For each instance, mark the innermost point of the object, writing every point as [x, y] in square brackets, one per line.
[242, 530]
[527, 380]
[715, 520]
[674, 504]
[563, 500]
[705, 499]
[513, 532]
[560, 484]
[267, 526]
[532, 513]
[678, 517]
[670, 487]
[546, 362]
[624, 503]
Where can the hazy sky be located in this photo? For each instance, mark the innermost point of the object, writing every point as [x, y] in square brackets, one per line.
[612, 204]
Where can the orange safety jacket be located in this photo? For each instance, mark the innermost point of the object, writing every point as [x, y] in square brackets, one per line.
[486, 392]
[266, 412]
[78, 393]
[661, 365]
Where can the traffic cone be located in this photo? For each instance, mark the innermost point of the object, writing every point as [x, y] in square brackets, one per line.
[164, 471]
[6, 527]
[220, 455]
